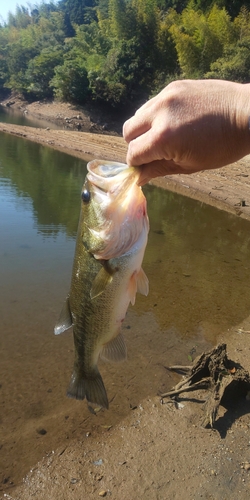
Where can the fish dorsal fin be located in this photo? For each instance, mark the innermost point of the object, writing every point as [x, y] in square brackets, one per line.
[65, 319]
[103, 278]
[115, 350]
[142, 282]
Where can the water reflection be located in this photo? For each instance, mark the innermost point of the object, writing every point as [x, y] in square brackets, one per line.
[202, 255]
[197, 261]
[46, 179]
[9, 115]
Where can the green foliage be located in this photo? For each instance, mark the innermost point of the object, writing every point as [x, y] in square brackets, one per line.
[120, 52]
[70, 82]
[234, 65]
[41, 70]
[199, 39]
[235, 62]
[78, 11]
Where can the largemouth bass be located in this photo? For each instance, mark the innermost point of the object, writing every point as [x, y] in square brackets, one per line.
[111, 240]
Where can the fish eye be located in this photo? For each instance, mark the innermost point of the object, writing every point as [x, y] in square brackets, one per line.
[85, 196]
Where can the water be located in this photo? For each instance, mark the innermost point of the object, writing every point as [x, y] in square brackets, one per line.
[197, 262]
[11, 115]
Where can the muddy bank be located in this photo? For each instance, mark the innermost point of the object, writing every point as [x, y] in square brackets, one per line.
[87, 118]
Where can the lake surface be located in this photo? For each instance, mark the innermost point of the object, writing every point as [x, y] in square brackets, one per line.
[197, 262]
[11, 115]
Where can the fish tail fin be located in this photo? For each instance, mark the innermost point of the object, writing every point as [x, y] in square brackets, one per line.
[91, 388]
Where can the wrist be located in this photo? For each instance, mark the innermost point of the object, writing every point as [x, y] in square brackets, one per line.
[243, 117]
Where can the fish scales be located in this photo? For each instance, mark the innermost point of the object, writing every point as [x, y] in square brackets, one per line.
[111, 239]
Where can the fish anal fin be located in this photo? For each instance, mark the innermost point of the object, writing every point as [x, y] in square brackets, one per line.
[92, 388]
[142, 282]
[65, 319]
[115, 350]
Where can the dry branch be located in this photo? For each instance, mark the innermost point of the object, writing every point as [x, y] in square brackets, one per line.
[214, 371]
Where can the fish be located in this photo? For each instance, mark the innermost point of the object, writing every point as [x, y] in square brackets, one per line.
[110, 244]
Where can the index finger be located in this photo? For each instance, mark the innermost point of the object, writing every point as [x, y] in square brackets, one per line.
[144, 149]
[136, 126]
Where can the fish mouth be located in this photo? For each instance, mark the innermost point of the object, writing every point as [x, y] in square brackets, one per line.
[105, 169]
[111, 177]
[120, 200]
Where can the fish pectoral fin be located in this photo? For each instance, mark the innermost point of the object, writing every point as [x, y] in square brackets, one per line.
[115, 350]
[142, 282]
[102, 279]
[132, 287]
[65, 319]
[138, 283]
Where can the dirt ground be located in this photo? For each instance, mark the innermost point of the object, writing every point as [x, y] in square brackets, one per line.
[159, 451]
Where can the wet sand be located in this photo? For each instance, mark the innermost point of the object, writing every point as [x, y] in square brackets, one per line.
[158, 451]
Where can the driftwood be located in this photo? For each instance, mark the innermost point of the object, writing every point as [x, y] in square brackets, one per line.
[224, 379]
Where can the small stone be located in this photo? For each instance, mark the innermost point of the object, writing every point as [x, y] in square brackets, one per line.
[41, 431]
[102, 493]
[247, 466]
[98, 462]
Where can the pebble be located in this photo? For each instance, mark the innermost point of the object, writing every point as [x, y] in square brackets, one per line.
[102, 493]
[98, 462]
[41, 431]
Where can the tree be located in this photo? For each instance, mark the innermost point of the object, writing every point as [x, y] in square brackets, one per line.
[200, 39]
[41, 70]
[117, 19]
[234, 65]
[78, 11]
[235, 61]
[70, 82]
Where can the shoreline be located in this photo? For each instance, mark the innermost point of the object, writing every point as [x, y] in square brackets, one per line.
[227, 188]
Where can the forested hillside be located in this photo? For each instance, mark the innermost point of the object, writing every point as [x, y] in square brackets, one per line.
[121, 52]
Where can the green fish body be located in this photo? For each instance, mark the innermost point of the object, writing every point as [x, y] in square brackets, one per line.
[107, 273]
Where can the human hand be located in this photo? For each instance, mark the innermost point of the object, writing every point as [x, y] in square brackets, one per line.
[191, 125]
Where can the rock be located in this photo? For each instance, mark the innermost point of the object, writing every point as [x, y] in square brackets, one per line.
[41, 431]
